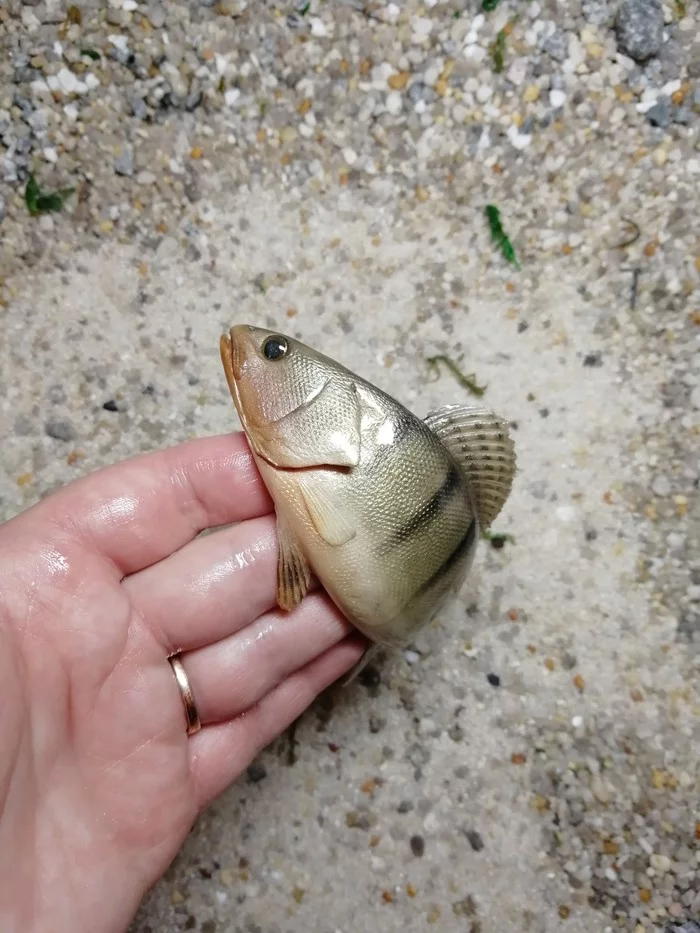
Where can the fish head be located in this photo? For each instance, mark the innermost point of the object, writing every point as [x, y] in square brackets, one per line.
[297, 407]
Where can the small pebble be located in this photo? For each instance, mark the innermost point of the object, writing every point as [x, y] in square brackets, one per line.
[256, 772]
[124, 163]
[417, 845]
[475, 840]
[60, 429]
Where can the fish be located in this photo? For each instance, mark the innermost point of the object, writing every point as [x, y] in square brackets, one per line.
[383, 508]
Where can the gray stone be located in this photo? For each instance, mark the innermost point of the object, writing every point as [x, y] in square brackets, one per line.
[51, 12]
[682, 115]
[660, 113]
[598, 12]
[138, 107]
[156, 16]
[557, 46]
[640, 28]
[124, 162]
[420, 91]
[60, 429]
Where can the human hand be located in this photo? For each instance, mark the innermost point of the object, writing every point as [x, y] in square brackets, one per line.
[99, 584]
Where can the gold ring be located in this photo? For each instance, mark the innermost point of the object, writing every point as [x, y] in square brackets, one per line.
[191, 714]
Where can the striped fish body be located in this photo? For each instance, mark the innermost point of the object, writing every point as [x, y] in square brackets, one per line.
[406, 511]
[384, 508]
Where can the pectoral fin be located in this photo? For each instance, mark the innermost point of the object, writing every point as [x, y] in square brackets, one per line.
[480, 442]
[293, 571]
[370, 653]
[326, 512]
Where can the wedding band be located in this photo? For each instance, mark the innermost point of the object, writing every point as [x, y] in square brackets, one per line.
[191, 714]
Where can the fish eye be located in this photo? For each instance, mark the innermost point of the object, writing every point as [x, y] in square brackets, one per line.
[274, 348]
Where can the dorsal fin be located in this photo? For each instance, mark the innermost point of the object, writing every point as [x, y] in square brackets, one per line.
[481, 444]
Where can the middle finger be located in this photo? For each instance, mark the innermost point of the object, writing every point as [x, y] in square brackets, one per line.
[211, 588]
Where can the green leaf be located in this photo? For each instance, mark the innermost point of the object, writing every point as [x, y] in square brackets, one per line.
[489, 5]
[498, 234]
[44, 202]
[91, 53]
[497, 538]
[498, 49]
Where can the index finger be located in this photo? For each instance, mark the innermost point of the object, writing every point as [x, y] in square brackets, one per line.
[139, 511]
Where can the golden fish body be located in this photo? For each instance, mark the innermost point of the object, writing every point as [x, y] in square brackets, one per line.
[384, 508]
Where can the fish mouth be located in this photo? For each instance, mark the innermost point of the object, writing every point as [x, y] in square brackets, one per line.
[233, 360]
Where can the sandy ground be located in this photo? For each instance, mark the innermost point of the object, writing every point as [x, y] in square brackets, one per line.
[560, 615]
[561, 793]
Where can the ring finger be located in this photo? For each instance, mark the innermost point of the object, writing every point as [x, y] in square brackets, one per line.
[231, 675]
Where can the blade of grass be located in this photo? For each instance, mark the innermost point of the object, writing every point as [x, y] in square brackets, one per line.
[499, 236]
[468, 382]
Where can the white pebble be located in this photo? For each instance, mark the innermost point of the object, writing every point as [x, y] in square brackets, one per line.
[661, 486]
[483, 93]
[412, 657]
[50, 154]
[121, 42]
[380, 75]
[130, 6]
[670, 88]
[318, 27]
[349, 155]
[518, 140]
[422, 28]
[557, 98]
[476, 53]
[71, 111]
[91, 81]
[67, 81]
[517, 72]
[660, 863]
[231, 95]
[394, 103]
[577, 722]
[41, 87]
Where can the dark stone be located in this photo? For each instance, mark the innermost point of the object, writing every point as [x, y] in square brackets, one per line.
[256, 772]
[494, 680]
[475, 839]
[593, 359]
[417, 846]
[110, 405]
[640, 28]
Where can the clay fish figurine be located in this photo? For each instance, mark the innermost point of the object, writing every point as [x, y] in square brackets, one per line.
[385, 509]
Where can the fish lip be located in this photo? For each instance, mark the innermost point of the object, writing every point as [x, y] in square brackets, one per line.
[231, 362]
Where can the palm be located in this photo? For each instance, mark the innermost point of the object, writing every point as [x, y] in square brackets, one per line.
[95, 601]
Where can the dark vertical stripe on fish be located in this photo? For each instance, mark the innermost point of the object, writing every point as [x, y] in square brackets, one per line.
[452, 483]
[459, 550]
